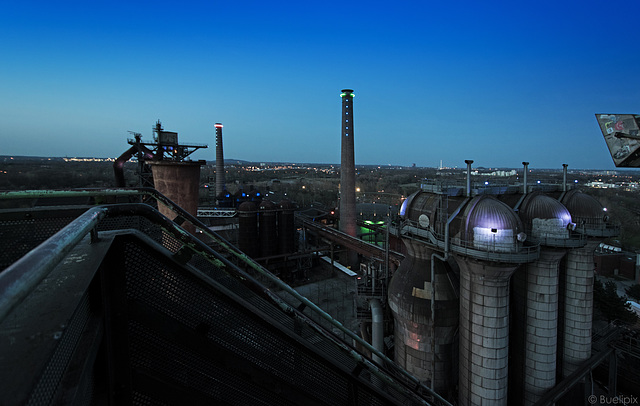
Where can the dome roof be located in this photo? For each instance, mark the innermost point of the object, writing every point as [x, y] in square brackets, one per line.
[488, 212]
[419, 203]
[267, 205]
[540, 206]
[581, 205]
[286, 204]
[247, 206]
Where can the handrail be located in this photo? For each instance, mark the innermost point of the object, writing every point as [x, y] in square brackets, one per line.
[229, 248]
[519, 253]
[16, 285]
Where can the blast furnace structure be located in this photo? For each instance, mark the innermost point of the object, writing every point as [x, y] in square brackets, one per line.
[484, 238]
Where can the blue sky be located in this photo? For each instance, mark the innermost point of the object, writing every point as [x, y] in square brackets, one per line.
[496, 82]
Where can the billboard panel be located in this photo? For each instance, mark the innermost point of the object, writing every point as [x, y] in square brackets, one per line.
[622, 135]
[168, 138]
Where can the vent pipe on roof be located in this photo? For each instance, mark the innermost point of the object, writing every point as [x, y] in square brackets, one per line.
[526, 170]
[468, 162]
[564, 177]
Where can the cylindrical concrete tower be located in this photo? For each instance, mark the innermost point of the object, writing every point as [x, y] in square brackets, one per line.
[487, 225]
[578, 275]
[180, 182]
[414, 330]
[534, 325]
[220, 177]
[347, 167]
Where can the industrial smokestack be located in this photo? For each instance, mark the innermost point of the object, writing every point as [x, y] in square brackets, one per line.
[564, 177]
[468, 162]
[220, 178]
[526, 170]
[347, 167]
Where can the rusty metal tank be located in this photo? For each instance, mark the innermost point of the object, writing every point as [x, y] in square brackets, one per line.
[180, 182]
[286, 227]
[267, 228]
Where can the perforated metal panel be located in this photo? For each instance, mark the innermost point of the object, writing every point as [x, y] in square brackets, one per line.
[50, 379]
[188, 330]
[20, 235]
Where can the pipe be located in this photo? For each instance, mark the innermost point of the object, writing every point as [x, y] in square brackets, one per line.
[446, 228]
[377, 329]
[387, 249]
[443, 259]
[468, 162]
[118, 165]
[526, 169]
[433, 311]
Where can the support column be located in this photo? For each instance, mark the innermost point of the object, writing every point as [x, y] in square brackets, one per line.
[484, 333]
[578, 307]
[535, 328]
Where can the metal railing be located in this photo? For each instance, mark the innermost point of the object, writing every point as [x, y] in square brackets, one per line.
[496, 187]
[511, 253]
[573, 239]
[599, 230]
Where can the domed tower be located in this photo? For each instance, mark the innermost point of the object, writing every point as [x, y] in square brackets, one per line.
[488, 251]
[424, 336]
[535, 299]
[577, 279]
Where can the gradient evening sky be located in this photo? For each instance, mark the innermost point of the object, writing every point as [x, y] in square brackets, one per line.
[498, 82]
